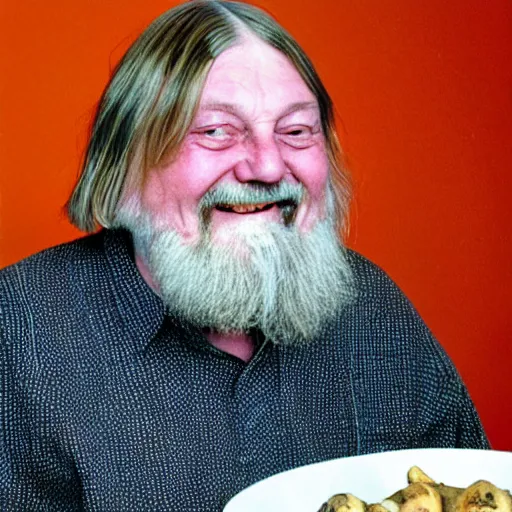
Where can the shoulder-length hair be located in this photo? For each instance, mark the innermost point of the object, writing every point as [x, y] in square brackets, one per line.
[150, 102]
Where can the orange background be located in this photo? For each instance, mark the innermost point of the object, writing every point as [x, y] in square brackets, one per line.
[423, 91]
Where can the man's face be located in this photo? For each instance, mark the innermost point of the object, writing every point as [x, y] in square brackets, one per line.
[250, 180]
[257, 123]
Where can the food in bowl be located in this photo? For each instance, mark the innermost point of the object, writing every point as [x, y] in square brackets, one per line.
[423, 494]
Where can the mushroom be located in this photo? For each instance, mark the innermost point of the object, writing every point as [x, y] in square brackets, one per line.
[483, 496]
[417, 497]
[416, 475]
[344, 503]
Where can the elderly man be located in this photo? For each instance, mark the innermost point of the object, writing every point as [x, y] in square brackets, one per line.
[216, 331]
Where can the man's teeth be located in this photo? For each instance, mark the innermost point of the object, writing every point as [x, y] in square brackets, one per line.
[245, 208]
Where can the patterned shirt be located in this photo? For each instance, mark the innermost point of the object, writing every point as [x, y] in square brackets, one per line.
[110, 404]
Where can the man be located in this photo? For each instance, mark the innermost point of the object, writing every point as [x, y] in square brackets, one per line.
[215, 332]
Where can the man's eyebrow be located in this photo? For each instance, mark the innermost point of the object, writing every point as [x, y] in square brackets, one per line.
[226, 107]
[301, 105]
[237, 110]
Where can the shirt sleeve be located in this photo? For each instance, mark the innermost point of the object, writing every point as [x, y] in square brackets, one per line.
[453, 419]
[409, 393]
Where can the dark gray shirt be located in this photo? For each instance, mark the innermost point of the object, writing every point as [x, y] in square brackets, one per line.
[108, 404]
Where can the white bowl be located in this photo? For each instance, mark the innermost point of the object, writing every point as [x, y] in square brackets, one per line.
[371, 478]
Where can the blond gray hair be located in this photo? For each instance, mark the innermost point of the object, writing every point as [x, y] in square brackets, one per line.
[150, 103]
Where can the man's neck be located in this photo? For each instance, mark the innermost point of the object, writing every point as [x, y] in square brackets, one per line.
[240, 345]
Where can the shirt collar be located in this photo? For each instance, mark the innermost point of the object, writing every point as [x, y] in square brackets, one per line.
[139, 306]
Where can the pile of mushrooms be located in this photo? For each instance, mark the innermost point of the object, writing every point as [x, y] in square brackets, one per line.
[425, 495]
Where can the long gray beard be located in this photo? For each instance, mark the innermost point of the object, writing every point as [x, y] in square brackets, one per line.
[269, 277]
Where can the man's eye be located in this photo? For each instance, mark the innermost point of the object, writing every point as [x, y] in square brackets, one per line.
[296, 132]
[217, 132]
[299, 137]
[216, 137]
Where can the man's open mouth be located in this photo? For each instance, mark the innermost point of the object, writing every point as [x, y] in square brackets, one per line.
[256, 207]
[280, 202]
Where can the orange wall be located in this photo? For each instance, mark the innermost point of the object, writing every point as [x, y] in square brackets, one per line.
[424, 93]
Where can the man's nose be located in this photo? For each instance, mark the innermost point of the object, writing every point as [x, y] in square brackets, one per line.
[263, 162]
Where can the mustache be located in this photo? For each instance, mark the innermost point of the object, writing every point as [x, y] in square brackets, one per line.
[252, 193]
[286, 195]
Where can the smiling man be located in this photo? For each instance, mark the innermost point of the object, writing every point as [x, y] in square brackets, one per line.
[215, 331]
[242, 213]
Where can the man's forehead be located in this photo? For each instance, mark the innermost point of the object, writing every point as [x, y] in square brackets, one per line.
[250, 56]
[254, 77]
